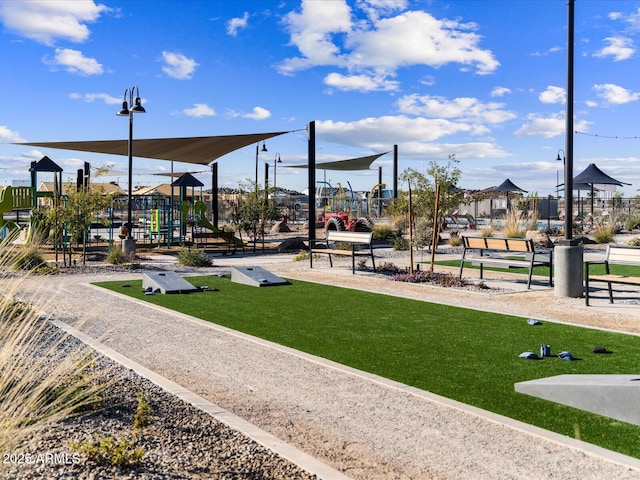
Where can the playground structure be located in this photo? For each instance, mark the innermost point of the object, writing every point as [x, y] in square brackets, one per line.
[158, 219]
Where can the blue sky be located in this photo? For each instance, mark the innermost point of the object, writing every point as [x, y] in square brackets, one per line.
[482, 79]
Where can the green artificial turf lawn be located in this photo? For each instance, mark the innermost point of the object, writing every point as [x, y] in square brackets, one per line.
[466, 355]
[628, 270]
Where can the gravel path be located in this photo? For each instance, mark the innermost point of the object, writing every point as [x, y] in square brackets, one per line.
[364, 428]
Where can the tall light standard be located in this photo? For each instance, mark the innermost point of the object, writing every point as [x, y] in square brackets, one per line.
[563, 160]
[129, 243]
[255, 228]
[258, 150]
[276, 161]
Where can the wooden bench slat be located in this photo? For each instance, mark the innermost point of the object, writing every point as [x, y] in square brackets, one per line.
[500, 251]
[337, 236]
[614, 256]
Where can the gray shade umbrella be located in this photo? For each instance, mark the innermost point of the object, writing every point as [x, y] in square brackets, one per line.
[593, 175]
[508, 186]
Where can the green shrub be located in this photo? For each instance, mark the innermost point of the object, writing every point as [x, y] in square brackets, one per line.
[486, 231]
[383, 232]
[109, 451]
[194, 257]
[634, 242]
[454, 239]
[603, 233]
[401, 243]
[28, 258]
[116, 256]
[632, 222]
[142, 418]
[512, 227]
[302, 255]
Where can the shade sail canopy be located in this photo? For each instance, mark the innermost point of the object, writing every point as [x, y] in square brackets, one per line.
[508, 186]
[360, 163]
[198, 150]
[593, 175]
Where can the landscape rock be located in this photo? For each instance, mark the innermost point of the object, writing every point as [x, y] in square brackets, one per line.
[540, 239]
[292, 245]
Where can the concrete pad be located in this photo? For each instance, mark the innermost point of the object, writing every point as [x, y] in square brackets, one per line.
[615, 396]
[166, 282]
[256, 277]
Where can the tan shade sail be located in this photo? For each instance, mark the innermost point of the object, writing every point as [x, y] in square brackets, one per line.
[360, 163]
[198, 150]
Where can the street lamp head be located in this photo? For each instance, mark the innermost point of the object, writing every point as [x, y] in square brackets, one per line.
[264, 147]
[138, 108]
[125, 110]
[125, 106]
[559, 158]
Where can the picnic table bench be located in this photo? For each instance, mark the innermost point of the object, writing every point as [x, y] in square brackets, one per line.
[354, 239]
[614, 256]
[505, 252]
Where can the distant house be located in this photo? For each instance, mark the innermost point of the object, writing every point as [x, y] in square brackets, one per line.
[110, 188]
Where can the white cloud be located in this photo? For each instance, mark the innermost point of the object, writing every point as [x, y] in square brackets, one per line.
[553, 95]
[236, 24]
[199, 110]
[464, 108]
[9, 136]
[258, 113]
[538, 126]
[500, 91]
[362, 83]
[46, 21]
[73, 61]
[615, 93]
[92, 97]
[548, 127]
[417, 135]
[620, 48]
[178, 66]
[326, 34]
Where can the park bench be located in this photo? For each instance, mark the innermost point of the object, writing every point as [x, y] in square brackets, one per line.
[356, 241]
[228, 239]
[613, 256]
[505, 252]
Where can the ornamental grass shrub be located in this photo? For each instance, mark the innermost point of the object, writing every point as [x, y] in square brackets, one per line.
[44, 376]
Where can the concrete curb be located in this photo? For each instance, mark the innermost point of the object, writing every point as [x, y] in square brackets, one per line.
[299, 458]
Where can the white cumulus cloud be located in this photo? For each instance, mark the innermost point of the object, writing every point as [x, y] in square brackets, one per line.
[176, 65]
[553, 95]
[327, 34]
[9, 136]
[46, 21]
[258, 113]
[620, 48]
[73, 61]
[615, 93]
[92, 97]
[236, 24]
[199, 110]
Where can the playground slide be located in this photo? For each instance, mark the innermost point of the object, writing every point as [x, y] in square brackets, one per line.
[200, 211]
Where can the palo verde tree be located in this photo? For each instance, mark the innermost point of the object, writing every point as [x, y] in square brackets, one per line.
[423, 187]
[77, 211]
[252, 210]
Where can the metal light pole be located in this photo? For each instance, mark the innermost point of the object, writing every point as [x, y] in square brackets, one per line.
[276, 161]
[563, 160]
[255, 228]
[129, 244]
